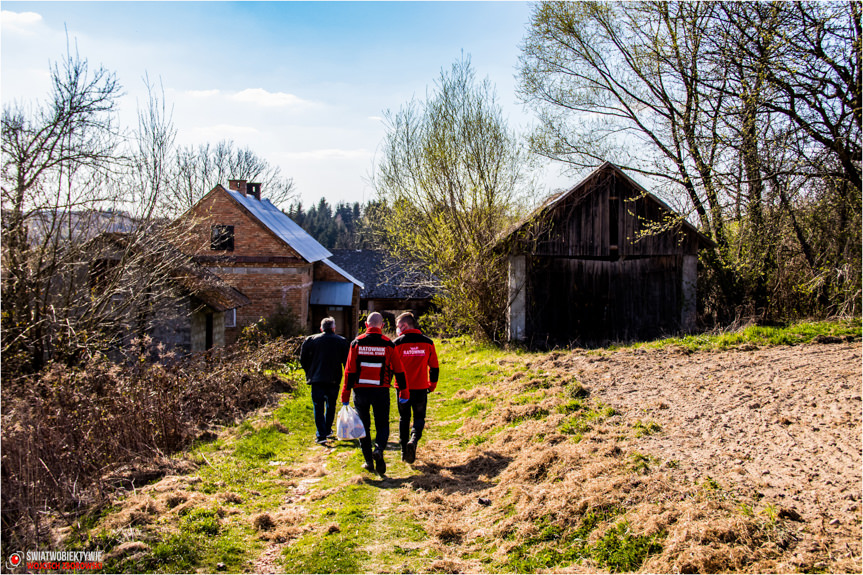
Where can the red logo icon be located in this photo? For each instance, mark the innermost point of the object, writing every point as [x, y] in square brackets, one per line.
[16, 560]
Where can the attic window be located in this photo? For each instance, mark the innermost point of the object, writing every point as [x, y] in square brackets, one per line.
[222, 238]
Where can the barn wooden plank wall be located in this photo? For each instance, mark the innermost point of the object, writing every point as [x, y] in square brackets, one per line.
[604, 262]
[594, 301]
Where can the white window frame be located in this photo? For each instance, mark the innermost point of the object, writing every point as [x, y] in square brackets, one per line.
[231, 317]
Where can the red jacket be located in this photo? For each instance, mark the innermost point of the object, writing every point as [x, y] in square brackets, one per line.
[372, 362]
[419, 359]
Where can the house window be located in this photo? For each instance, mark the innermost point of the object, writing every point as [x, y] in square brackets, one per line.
[102, 273]
[231, 318]
[222, 238]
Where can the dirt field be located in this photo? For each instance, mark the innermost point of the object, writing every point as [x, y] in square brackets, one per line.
[776, 430]
[784, 422]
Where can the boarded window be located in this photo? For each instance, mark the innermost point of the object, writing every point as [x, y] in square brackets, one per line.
[222, 238]
[231, 318]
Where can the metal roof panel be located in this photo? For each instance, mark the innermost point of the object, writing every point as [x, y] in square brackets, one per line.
[284, 227]
[332, 293]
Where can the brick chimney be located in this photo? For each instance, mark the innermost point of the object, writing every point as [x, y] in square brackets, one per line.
[239, 186]
[254, 190]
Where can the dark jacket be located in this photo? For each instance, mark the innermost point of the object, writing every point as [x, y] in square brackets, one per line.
[323, 357]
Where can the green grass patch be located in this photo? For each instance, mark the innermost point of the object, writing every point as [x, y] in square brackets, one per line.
[475, 440]
[643, 428]
[619, 550]
[570, 407]
[795, 334]
[584, 416]
[640, 463]
[201, 521]
[338, 551]
[538, 414]
[555, 545]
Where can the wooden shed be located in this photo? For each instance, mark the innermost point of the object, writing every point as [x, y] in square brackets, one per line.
[604, 261]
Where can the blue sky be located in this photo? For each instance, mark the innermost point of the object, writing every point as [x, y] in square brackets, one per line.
[304, 84]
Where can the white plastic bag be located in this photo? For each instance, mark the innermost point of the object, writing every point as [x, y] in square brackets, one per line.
[348, 424]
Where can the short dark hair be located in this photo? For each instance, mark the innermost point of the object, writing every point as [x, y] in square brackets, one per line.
[409, 318]
[328, 324]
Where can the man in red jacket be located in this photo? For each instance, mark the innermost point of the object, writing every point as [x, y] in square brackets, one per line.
[419, 360]
[372, 363]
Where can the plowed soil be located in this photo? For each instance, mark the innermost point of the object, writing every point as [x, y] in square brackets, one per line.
[784, 422]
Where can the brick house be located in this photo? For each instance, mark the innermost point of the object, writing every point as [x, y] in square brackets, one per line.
[185, 306]
[256, 248]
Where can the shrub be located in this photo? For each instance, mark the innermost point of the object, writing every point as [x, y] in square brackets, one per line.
[71, 434]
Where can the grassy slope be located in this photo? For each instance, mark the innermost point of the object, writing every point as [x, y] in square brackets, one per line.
[263, 489]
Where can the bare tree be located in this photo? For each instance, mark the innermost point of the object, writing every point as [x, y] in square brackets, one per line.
[197, 169]
[85, 264]
[711, 99]
[57, 159]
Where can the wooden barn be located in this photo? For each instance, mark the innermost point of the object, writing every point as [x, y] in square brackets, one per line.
[604, 261]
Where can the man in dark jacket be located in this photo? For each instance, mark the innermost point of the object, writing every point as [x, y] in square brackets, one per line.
[419, 360]
[372, 363]
[323, 357]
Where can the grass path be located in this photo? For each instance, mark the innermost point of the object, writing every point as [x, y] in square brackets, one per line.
[354, 520]
[266, 498]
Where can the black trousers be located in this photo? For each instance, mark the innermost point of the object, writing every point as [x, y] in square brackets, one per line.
[324, 396]
[375, 401]
[416, 405]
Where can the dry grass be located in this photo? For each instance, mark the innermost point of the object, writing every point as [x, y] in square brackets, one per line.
[531, 477]
[114, 423]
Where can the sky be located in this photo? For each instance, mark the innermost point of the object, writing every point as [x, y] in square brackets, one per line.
[303, 84]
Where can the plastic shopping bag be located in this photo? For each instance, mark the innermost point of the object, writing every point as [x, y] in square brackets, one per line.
[348, 424]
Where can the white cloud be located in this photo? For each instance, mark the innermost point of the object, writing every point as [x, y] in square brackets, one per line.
[328, 154]
[202, 93]
[20, 22]
[260, 97]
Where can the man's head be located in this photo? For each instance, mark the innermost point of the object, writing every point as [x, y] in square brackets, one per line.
[375, 320]
[328, 324]
[406, 321]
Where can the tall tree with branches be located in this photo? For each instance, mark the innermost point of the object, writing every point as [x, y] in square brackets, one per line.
[58, 158]
[706, 99]
[453, 176]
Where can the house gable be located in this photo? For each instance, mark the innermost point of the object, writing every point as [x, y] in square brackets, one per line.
[253, 240]
[606, 216]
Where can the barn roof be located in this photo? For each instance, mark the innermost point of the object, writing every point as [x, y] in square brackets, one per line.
[557, 198]
[381, 278]
[281, 225]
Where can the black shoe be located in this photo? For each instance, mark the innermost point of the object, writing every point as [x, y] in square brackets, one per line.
[410, 453]
[369, 466]
[321, 441]
[380, 464]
